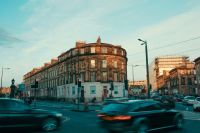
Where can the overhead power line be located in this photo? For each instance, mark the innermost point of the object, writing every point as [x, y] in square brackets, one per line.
[171, 44]
[182, 52]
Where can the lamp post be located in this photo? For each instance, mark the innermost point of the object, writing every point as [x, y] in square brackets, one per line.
[133, 72]
[2, 75]
[147, 64]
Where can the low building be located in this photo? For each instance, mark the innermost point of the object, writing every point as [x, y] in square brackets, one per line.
[96, 65]
[137, 87]
[164, 64]
[197, 68]
[5, 90]
[182, 80]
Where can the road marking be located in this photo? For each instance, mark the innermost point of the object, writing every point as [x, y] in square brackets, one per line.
[66, 119]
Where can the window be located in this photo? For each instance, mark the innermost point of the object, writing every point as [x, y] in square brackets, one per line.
[82, 51]
[122, 65]
[14, 105]
[104, 76]
[183, 81]
[92, 89]
[92, 63]
[92, 49]
[74, 52]
[93, 76]
[115, 51]
[122, 52]
[74, 78]
[115, 90]
[119, 107]
[104, 50]
[82, 76]
[115, 76]
[104, 63]
[189, 81]
[149, 107]
[73, 91]
[115, 64]
[82, 65]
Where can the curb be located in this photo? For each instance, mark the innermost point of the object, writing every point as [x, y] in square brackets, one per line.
[76, 110]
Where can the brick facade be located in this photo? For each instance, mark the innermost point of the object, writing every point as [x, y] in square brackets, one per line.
[93, 63]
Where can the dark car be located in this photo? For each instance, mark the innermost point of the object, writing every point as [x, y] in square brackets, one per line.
[15, 113]
[139, 116]
[114, 100]
[167, 101]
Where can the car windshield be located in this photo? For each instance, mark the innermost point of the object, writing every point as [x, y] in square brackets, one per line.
[190, 98]
[119, 107]
[198, 99]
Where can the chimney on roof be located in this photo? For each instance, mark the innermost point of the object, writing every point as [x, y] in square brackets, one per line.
[46, 64]
[53, 61]
[80, 44]
[99, 40]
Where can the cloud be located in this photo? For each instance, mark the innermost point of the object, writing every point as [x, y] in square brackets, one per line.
[56, 25]
[7, 39]
[174, 29]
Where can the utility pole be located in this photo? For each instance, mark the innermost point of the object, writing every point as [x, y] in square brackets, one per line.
[147, 65]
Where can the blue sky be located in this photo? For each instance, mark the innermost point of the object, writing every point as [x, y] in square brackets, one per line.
[34, 31]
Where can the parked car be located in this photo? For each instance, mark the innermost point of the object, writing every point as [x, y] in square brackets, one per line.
[139, 116]
[114, 100]
[189, 100]
[16, 113]
[196, 105]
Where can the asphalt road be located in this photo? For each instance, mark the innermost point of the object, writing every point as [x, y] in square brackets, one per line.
[87, 122]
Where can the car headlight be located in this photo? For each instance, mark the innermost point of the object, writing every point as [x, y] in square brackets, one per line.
[59, 115]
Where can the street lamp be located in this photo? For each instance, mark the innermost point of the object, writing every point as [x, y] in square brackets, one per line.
[147, 65]
[2, 75]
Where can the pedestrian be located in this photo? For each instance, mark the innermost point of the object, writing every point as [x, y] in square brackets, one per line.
[86, 108]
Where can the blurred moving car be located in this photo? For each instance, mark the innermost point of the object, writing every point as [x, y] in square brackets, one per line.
[168, 101]
[178, 98]
[16, 113]
[156, 98]
[196, 105]
[114, 100]
[139, 116]
[189, 100]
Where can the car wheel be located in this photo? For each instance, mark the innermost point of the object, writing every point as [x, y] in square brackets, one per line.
[111, 131]
[143, 128]
[179, 122]
[49, 124]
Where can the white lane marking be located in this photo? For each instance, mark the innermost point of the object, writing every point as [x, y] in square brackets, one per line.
[66, 119]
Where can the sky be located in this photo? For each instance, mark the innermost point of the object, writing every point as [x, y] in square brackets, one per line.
[33, 32]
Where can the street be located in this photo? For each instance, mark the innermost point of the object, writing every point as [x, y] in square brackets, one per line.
[87, 122]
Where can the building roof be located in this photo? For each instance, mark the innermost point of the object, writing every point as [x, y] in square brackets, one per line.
[197, 59]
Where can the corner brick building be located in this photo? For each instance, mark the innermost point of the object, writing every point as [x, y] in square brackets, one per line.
[95, 64]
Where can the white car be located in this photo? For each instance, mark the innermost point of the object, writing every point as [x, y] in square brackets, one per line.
[189, 100]
[196, 105]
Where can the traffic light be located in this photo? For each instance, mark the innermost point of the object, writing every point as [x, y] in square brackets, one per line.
[36, 84]
[126, 84]
[79, 83]
[111, 86]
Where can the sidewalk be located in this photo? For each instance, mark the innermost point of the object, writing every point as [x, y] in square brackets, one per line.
[68, 106]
